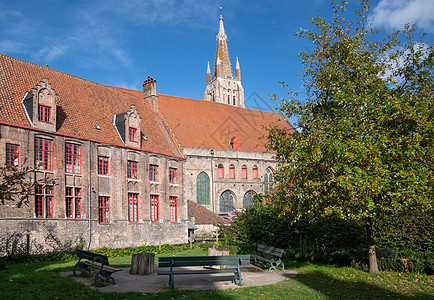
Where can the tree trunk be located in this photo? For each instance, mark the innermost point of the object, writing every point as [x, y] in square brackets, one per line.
[142, 264]
[373, 266]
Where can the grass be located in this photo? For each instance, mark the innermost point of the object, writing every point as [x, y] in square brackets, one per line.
[40, 280]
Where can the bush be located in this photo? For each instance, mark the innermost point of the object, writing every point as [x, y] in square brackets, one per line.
[403, 244]
[409, 232]
[262, 224]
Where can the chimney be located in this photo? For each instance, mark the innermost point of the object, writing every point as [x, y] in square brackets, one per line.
[150, 91]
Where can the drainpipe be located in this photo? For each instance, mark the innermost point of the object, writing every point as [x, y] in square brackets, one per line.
[89, 188]
[212, 182]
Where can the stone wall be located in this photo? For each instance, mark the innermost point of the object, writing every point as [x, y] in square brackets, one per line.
[200, 160]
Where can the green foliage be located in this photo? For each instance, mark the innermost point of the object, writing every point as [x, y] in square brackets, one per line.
[409, 232]
[333, 240]
[262, 224]
[365, 145]
[365, 142]
[166, 248]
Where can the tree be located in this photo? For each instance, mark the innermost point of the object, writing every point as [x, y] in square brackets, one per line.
[16, 184]
[364, 146]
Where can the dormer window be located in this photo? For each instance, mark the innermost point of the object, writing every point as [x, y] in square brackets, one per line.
[40, 106]
[44, 113]
[128, 126]
[133, 134]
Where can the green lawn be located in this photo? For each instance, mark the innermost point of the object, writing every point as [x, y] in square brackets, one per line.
[41, 281]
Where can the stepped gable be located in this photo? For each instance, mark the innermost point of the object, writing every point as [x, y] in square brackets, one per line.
[211, 125]
[204, 216]
[81, 104]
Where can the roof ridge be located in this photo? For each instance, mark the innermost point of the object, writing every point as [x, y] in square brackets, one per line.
[55, 70]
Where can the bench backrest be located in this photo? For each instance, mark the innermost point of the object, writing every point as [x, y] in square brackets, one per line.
[203, 260]
[270, 250]
[92, 256]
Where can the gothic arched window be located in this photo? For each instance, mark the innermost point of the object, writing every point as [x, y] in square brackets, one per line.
[220, 171]
[202, 189]
[244, 172]
[268, 181]
[248, 198]
[226, 201]
[232, 171]
[255, 172]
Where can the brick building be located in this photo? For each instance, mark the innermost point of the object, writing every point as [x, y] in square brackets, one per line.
[117, 172]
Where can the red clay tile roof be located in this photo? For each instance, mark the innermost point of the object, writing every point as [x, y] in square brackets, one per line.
[83, 103]
[203, 216]
[205, 124]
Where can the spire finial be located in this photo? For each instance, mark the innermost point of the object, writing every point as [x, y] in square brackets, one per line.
[221, 34]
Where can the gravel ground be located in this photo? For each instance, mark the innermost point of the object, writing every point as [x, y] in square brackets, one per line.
[124, 282]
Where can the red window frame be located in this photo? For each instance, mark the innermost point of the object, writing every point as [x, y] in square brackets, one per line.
[132, 172]
[78, 203]
[173, 209]
[44, 113]
[44, 201]
[132, 132]
[73, 202]
[12, 154]
[103, 165]
[244, 173]
[72, 158]
[133, 207]
[104, 210]
[231, 172]
[172, 175]
[220, 171]
[154, 208]
[44, 154]
[153, 173]
[255, 173]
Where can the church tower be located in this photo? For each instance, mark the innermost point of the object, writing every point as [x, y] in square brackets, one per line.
[222, 86]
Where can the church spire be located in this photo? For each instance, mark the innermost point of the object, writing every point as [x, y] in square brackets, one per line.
[222, 51]
[224, 87]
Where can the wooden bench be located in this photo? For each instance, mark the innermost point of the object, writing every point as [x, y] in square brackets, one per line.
[96, 261]
[268, 254]
[236, 261]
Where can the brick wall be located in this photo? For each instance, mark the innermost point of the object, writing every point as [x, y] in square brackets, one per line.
[119, 232]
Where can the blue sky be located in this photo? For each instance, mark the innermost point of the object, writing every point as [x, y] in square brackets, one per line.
[122, 42]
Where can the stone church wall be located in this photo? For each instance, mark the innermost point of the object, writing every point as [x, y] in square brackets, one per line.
[199, 160]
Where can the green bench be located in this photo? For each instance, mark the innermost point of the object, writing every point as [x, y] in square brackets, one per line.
[235, 261]
[269, 255]
[96, 261]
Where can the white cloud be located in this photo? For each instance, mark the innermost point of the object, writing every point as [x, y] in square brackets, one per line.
[49, 54]
[393, 14]
[95, 33]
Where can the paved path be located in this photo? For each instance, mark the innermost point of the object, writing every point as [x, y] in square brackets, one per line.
[157, 283]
